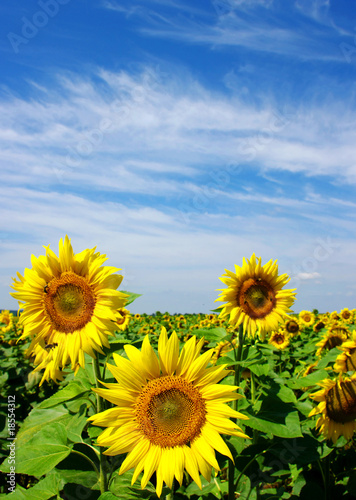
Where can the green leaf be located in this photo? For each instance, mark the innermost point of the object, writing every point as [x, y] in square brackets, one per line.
[69, 392]
[42, 452]
[131, 297]
[260, 369]
[76, 425]
[47, 488]
[290, 429]
[39, 418]
[309, 380]
[213, 334]
[87, 478]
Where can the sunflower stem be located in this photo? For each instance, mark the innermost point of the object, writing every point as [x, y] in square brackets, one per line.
[100, 407]
[253, 400]
[237, 376]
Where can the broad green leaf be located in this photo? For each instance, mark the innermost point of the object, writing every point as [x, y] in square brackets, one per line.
[131, 296]
[309, 380]
[69, 392]
[47, 488]
[76, 425]
[87, 478]
[37, 419]
[42, 452]
[290, 429]
[212, 334]
[259, 370]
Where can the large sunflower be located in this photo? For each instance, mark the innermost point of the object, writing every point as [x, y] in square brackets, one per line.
[337, 407]
[169, 412]
[68, 302]
[255, 297]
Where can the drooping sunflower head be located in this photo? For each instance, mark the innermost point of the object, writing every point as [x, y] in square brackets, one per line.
[169, 411]
[334, 337]
[124, 318]
[223, 348]
[319, 325]
[7, 320]
[337, 408]
[346, 360]
[306, 318]
[279, 339]
[70, 301]
[255, 297]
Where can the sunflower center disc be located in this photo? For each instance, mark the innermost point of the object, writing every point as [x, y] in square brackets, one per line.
[292, 327]
[341, 402]
[256, 297]
[170, 411]
[69, 302]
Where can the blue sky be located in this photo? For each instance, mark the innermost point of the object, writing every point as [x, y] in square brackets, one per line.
[178, 137]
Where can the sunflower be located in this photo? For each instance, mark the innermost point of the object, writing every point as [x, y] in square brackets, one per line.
[255, 297]
[337, 407]
[279, 339]
[334, 337]
[292, 326]
[223, 348]
[307, 318]
[319, 325]
[169, 412]
[346, 315]
[346, 361]
[69, 301]
[124, 319]
[7, 319]
[43, 358]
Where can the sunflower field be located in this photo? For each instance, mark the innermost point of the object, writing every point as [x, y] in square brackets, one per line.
[251, 401]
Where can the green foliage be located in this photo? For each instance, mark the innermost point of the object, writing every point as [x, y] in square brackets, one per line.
[284, 457]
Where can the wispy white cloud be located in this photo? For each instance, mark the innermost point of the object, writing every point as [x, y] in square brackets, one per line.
[87, 159]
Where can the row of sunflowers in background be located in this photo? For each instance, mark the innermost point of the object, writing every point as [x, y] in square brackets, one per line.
[250, 401]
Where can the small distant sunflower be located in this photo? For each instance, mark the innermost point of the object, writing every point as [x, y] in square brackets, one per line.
[346, 315]
[333, 337]
[223, 348]
[310, 368]
[6, 318]
[292, 326]
[255, 297]
[306, 318]
[279, 339]
[334, 316]
[346, 361]
[169, 412]
[319, 325]
[337, 408]
[124, 319]
[69, 301]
